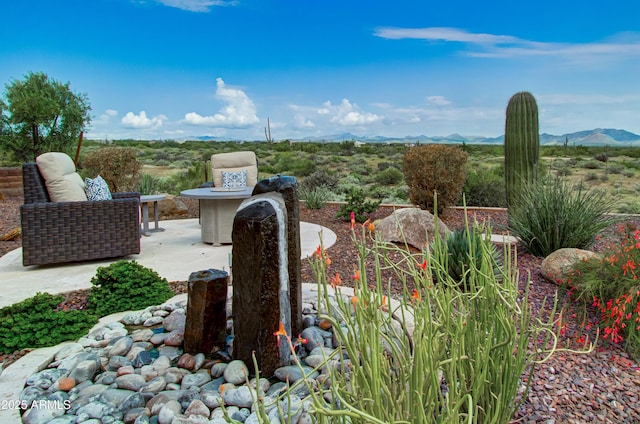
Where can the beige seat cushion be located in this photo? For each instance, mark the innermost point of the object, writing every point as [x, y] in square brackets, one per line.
[234, 161]
[60, 176]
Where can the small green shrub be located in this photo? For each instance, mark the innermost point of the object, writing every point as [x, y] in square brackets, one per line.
[37, 322]
[357, 203]
[126, 285]
[484, 188]
[119, 166]
[316, 197]
[320, 178]
[551, 215]
[389, 176]
[435, 169]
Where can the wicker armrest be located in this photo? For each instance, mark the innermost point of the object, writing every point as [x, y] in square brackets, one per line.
[75, 231]
[125, 194]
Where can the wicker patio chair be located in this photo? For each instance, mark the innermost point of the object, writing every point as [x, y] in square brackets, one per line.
[59, 232]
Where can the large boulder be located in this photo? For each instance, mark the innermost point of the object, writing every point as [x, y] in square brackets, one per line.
[558, 264]
[413, 226]
[171, 206]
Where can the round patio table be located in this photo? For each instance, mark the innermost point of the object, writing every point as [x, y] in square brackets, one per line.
[218, 207]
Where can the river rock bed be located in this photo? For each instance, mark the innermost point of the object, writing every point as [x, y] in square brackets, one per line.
[135, 371]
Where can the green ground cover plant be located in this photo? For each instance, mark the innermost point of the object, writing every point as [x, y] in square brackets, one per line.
[37, 322]
[126, 285]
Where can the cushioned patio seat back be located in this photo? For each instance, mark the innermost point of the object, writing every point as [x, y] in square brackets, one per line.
[63, 183]
[234, 161]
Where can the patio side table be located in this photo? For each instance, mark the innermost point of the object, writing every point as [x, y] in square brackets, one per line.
[144, 206]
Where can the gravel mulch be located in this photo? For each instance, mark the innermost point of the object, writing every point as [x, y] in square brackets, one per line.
[601, 387]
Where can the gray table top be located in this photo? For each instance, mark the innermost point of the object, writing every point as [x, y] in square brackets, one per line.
[217, 193]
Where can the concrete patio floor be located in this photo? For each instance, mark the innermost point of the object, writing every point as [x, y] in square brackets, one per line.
[173, 253]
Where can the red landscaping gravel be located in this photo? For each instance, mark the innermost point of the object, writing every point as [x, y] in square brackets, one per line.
[601, 387]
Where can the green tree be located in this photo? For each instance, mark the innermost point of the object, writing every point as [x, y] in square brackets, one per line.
[40, 115]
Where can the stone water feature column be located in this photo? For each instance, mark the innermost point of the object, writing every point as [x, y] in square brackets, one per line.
[287, 186]
[261, 282]
[206, 326]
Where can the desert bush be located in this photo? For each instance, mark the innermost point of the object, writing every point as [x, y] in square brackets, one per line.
[37, 322]
[126, 285]
[148, 184]
[615, 168]
[435, 169]
[591, 164]
[629, 173]
[484, 188]
[591, 176]
[357, 205]
[320, 178]
[551, 215]
[388, 176]
[348, 183]
[119, 166]
[601, 157]
[191, 177]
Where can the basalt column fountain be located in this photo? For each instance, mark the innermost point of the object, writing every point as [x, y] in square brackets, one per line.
[261, 285]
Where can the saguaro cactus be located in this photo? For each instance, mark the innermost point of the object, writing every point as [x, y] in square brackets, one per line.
[521, 144]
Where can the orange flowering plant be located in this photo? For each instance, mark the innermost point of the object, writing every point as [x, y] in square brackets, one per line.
[611, 284]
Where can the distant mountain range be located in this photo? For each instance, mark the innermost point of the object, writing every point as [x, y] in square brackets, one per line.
[595, 137]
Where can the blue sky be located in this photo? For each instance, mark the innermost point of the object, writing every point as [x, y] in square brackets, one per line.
[163, 69]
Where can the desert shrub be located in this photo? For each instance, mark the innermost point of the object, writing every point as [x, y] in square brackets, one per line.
[615, 168]
[191, 177]
[119, 166]
[629, 173]
[126, 285]
[601, 157]
[551, 215]
[484, 188]
[388, 176]
[316, 197]
[592, 164]
[37, 322]
[358, 205]
[435, 169]
[610, 283]
[591, 176]
[349, 183]
[319, 178]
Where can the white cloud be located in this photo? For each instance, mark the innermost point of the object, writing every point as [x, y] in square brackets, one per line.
[438, 101]
[239, 111]
[299, 121]
[196, 5]
[348, 114]
[622, 46]
[141, 121]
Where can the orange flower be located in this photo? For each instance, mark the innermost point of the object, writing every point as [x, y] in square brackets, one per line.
[356, 276]
[384, 305]
[423, 265]
[354, 302]
[336, 281]
[415, 297]
[353, 220]
[280, 333]
[369, 225]
[318, 253]
[327, 260]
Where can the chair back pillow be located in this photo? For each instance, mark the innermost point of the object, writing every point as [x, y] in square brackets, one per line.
[63, 183]
[233, 162]
[97, 189]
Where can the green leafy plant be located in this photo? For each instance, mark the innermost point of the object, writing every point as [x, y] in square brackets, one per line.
[551, 214]
[37, 322]
[148, 184]
[484, 188]
[357, 205]
[435, 169]
[388, 176]
[126, 285]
